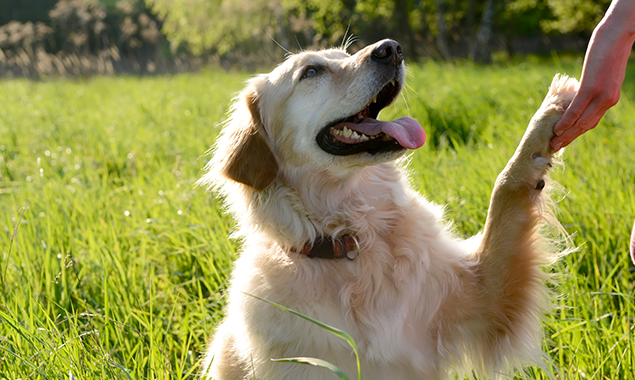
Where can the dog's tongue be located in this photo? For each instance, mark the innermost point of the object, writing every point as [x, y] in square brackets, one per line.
[406, 130]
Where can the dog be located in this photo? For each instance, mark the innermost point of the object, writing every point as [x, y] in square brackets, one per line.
[331, 228]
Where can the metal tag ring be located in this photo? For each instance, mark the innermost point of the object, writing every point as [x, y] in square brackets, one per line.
[352, 255]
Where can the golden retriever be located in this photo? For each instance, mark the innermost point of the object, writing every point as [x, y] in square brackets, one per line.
[332, 229]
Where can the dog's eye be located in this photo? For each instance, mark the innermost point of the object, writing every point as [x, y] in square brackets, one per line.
[310, 72]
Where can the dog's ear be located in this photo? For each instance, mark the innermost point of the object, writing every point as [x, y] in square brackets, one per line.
[249, 158]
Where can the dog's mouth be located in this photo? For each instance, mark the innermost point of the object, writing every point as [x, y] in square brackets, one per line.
[362, 132]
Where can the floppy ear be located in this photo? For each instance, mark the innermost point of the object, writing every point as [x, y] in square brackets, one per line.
[248, 157]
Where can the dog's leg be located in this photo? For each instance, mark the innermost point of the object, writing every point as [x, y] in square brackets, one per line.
[221, 361]
[517, 199]
[512, 250]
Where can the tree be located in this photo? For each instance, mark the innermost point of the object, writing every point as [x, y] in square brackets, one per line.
[241, 28]
[481, 50]
[25, 10]
[403, 28]
[521, 18]
[575, 15]
[220, 25]
[442, 39]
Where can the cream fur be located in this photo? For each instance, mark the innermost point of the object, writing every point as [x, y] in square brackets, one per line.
[420, 302]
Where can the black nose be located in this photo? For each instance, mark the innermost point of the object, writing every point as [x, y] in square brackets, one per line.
[388, 51]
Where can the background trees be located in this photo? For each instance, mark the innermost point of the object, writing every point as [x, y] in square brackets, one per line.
[259, 32]
[436, 28]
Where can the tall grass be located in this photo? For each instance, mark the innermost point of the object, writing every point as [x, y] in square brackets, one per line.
[119, 263]
[114, 264]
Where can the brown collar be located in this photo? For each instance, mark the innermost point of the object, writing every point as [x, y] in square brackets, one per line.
[345, 246]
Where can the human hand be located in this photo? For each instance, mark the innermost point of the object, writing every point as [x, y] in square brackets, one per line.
[602, 74]
[633, 245]
[585, 111]
[600, 86]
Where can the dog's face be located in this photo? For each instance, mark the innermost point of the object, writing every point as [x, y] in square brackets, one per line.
[319, 110]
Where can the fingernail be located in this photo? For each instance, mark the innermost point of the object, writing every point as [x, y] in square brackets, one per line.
[559, 132]
[557, 147]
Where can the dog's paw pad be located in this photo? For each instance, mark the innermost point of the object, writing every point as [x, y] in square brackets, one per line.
[541, 162]
[560, 107]
[540, 185]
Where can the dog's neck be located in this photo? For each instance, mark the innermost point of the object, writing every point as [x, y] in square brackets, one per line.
[304, 207]
[331, 248]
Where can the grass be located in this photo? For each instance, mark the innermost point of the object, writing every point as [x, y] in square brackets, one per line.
[113, 264]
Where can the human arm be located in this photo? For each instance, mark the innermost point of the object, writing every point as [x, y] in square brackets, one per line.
[602, 74]
[633, 245]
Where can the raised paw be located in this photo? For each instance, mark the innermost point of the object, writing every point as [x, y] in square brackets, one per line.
[533, 157]
[540, 130]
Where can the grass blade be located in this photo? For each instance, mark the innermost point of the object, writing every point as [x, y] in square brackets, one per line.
[315, 362]
[333, 330]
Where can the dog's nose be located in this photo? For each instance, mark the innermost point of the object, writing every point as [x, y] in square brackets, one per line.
[388, 51]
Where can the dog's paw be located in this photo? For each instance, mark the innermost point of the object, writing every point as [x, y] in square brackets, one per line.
[561, 93]
[540, 131]
[534, 156]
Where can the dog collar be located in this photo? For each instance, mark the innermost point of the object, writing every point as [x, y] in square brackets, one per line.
[345, 246]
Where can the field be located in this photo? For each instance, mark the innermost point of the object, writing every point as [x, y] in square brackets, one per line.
[113, 263]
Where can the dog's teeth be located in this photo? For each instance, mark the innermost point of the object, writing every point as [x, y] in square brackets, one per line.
[363, 137]
[374, 99]
[346, 132]
[355, 135]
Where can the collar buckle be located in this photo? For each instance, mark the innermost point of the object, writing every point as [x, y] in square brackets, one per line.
[345, 246]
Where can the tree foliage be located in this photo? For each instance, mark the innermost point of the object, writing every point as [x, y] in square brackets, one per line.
[80, 37]
[264, 29]
[220, 25]
[574, 15]
[448, 26]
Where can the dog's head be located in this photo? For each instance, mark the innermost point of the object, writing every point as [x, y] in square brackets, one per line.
[317, 110]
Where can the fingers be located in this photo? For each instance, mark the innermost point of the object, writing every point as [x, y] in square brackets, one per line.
[569, 123]
[586, 122]
[579, 105]
[583, 114]
[571, 115]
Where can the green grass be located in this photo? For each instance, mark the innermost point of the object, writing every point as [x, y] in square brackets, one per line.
[114, 264]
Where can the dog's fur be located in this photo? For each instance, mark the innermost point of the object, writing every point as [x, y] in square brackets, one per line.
[420, 302]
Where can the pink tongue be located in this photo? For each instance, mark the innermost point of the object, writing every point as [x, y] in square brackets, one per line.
[406, 130]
